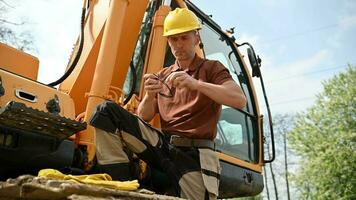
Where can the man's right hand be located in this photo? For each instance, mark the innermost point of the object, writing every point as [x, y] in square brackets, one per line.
[151, 85]
[148, 106]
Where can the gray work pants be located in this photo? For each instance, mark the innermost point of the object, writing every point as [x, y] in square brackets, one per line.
[193, 172]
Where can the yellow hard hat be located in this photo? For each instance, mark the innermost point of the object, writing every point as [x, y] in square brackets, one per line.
[180, 20]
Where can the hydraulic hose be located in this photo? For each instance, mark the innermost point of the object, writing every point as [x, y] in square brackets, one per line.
[133, 85]
[147, 26]
[77, 56]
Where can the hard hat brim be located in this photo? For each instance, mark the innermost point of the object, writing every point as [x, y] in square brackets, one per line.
[180, 30]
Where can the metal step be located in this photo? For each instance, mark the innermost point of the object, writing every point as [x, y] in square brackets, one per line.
[19, 116]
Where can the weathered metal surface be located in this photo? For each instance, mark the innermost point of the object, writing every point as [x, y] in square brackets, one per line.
[30, 187]
[19, 116]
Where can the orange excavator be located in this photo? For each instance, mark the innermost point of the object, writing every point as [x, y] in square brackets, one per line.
[44, 126]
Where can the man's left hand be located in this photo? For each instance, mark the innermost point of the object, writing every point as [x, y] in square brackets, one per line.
[181, 79]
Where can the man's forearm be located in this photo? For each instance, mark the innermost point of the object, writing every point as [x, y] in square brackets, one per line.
[227, 94]
[147, 108]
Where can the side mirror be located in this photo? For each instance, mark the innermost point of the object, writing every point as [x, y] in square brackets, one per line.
[255, 62]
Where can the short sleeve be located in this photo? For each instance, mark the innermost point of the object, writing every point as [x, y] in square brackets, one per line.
[219, 74]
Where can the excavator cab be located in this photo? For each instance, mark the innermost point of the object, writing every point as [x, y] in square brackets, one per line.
[119, 43]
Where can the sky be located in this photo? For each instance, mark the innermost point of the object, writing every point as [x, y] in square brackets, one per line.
[301, 43]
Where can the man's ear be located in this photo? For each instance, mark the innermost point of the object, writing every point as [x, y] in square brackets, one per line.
[197, 38]
[169, 44]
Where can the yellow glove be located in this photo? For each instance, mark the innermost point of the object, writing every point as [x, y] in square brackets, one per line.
[104, 180]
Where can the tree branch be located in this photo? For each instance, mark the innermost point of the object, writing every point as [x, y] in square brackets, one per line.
[6, 4]
[12, 23]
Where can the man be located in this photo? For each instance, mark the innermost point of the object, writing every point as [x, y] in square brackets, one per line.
[188, 96]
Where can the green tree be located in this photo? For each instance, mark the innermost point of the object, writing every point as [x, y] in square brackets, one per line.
[325, 138]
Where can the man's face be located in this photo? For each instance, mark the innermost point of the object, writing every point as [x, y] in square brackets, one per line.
[183, 45]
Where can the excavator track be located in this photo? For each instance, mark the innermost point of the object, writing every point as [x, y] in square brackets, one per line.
[19, 116]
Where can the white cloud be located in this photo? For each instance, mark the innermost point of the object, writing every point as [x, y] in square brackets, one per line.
[252, 39]
[300, 66]
[295, 93]
[348, 21]
[290, 87]
[287, 95]
[350, 6]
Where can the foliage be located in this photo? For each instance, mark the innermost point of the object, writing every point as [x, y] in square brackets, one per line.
[325, 138]
[22, 40]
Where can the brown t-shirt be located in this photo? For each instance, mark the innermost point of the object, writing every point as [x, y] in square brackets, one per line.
[190, 113]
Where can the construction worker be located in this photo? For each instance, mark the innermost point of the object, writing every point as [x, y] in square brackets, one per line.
[188, 96]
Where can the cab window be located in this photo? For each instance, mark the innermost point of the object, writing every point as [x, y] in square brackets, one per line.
[237, 130]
